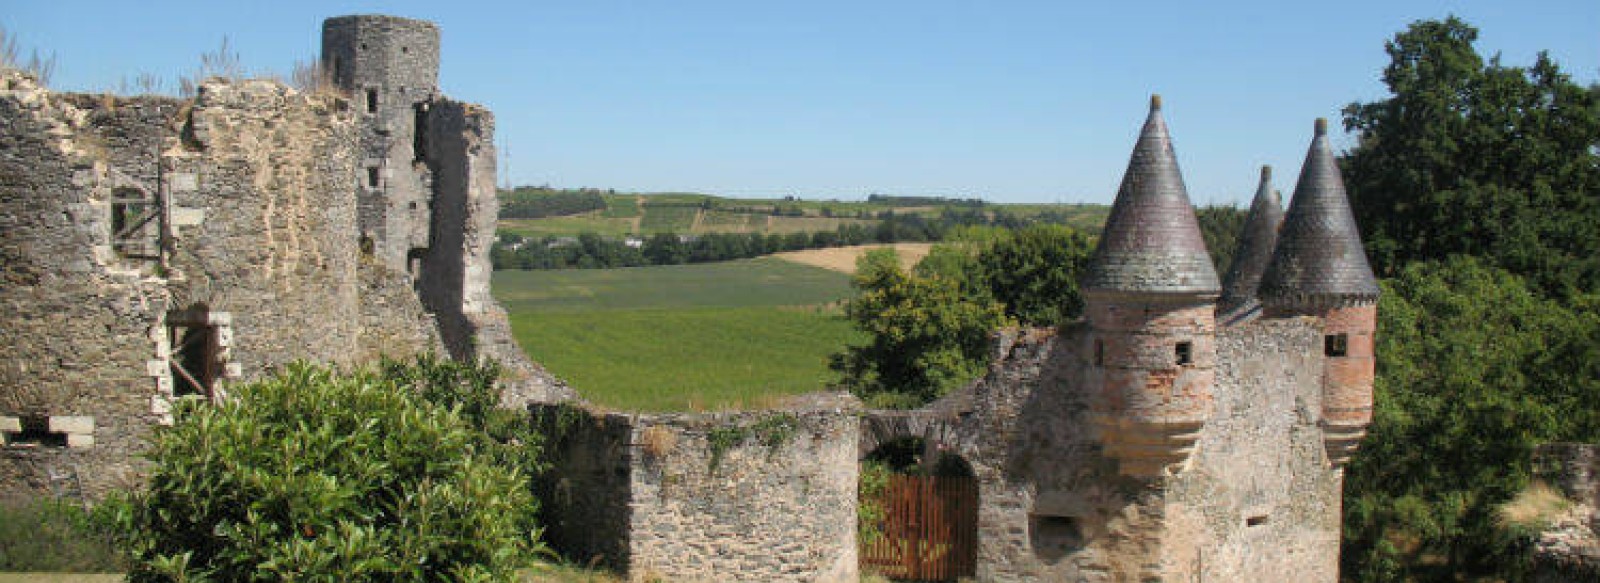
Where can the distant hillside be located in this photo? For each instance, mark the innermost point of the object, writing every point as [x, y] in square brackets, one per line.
[542, 211]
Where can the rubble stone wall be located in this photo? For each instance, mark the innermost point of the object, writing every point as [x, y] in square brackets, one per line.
[757, 496]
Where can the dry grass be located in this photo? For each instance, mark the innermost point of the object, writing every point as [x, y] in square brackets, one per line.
[843, 259]
[1535, 507]
[60, 577]
[658, 441]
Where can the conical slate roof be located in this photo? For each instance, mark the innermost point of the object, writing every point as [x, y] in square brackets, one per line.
[1152, 242]
[1256, 243]
[1319, 256]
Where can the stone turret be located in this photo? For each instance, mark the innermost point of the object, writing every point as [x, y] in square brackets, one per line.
[1319, 269]
[389, 66]
[1150, 294]
[1260, 237]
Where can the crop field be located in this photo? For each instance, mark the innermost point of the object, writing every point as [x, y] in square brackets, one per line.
[659, 218]
[737, 334]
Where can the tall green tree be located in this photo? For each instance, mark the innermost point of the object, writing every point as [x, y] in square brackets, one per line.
[1034, 273]
[1475, 157]
[925, 336]
[1475, 369]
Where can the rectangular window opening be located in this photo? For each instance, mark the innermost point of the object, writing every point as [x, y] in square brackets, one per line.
[35, 433]
[1185, 353]
[372, 177]
[1099, 352]
[372, 101]
[1336, 344]
[1256, 520]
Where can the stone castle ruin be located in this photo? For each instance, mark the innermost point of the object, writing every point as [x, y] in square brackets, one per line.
[155, 249]
[1178, 433]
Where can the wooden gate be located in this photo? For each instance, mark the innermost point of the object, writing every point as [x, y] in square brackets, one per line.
[930, 529]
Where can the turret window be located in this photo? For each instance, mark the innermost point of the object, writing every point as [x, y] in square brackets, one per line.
[1185, 353]
[1099, 352]
[372, 101]
[1336, 344]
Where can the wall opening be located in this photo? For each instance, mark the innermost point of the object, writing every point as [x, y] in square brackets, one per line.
[196, 362]
[373, 176]
[419, 132]
[414, 263]
[338, 70]
[1336, 344]
[919, 517]
[135, 228]
[34, 431]
[1099, 352]
[1054, 537]
[372, 100]
[1258, 520]
[1185, 353]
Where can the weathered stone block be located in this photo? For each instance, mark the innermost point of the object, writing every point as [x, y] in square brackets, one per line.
[72, 424]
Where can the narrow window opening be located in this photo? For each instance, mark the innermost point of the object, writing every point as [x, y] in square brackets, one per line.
[405, 50]
[367, 245]
[135, 224]
[1099, 352]
[419, 133]
[1256, 520]
[338, 69]
[372, 100]
[1185, 353]
[1336, 344]
[196, 352]
[372, 177]
[35, 433]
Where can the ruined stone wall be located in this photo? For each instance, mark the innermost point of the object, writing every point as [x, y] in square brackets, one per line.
[254, 189]
[1568, 550]
[1256, 501]
[79, 319]
[584, 495]
[758, 496]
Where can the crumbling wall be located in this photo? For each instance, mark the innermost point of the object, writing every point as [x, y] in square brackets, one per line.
[584, 494]
[754, 496]
[81, 323]
[1568, 550]
[251, 226]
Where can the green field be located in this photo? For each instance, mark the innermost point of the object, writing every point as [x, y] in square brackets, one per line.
[736, 334]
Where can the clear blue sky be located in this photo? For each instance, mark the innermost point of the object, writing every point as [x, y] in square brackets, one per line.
[1011, 101]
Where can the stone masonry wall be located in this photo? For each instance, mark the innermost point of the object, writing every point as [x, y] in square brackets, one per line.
[1255, 502]
[758, 496]
[79, 319]
[256, 184]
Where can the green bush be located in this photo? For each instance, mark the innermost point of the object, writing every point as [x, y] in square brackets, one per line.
[926, 337]
[313, 475]
[54, 535]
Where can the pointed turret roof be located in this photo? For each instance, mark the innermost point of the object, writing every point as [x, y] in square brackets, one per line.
[1319, 256]
[1152, 242]
[1256, 242]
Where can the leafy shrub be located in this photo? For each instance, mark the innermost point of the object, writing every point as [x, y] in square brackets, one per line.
[315, 475]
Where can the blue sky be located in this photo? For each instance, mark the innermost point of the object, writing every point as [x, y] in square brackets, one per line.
[1010, 101]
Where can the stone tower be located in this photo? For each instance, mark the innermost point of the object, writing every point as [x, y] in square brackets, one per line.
[389, 67]
[1319, 269]
[1256, 243]
[1150, 295]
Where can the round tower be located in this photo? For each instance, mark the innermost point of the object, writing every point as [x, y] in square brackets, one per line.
[1320, 269]
[1150, 296]
[398, 58]
[389, 68]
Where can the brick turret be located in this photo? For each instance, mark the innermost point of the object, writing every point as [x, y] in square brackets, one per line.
[1319, 269]
[1150, 294]
[1256, 243]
